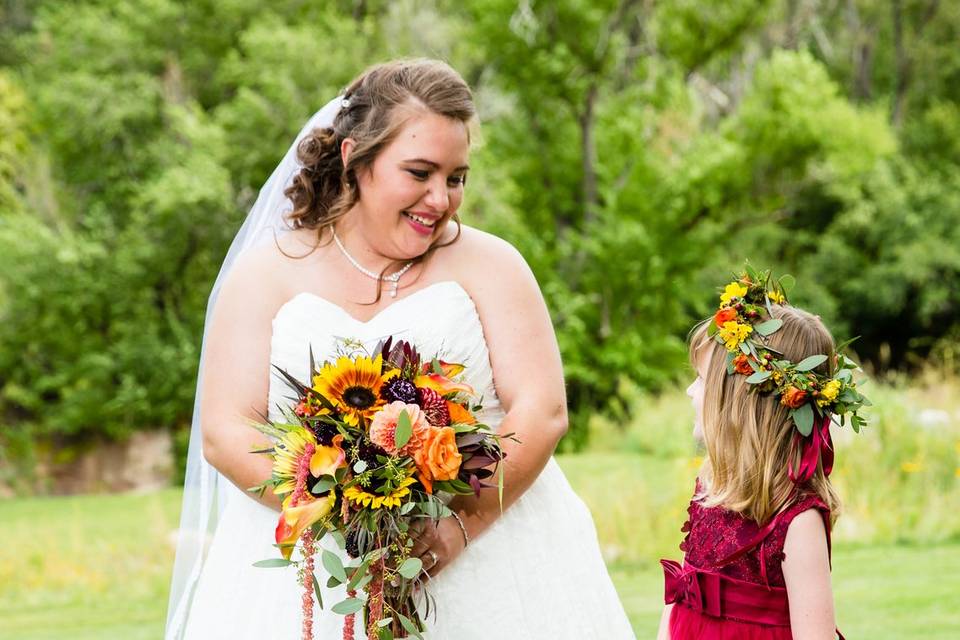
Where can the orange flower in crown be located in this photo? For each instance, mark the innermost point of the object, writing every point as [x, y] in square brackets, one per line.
[727, 314]
[741, 364]
[793, 397]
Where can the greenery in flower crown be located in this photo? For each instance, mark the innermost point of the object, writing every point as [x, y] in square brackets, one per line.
[742, 324]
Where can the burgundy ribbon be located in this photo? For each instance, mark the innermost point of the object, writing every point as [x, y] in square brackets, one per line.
[683, 584]
[817, 447]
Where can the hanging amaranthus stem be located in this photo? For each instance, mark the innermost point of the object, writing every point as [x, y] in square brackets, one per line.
[308, 551]
[349, 618]
[307, 539]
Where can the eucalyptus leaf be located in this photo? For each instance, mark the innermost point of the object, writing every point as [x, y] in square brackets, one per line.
[787, 282]
[273, 562]
[348, 606]
[333, 565]
[803, 418]
[360, 466]
[769, 327]
[409, 626]
[323, 485]
[410, 568]
[758, 377]
[316, 592]
[404, 430]
[810, 363]
[338, 538]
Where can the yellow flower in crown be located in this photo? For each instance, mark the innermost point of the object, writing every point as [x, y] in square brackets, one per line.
[829, 393]
[732, 290]
[776, 297]
[357, 495]
[353, 386]
[733, 333]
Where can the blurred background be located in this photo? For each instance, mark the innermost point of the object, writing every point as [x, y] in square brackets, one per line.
[635, 151]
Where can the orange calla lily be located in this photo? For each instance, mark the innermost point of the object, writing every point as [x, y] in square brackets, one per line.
[448, 369]
[293, 521]
[326, 460]
[442, 384]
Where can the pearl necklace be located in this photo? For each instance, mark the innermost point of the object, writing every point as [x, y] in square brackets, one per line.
[393, 278]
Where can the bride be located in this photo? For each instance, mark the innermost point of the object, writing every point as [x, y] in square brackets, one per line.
[356, 235]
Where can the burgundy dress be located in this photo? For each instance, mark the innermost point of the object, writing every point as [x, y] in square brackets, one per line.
[730, 586]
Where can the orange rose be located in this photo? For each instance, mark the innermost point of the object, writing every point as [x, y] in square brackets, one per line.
[438, 458]
[742, 365]
[793, 397]
[459, 414]
[728, 314]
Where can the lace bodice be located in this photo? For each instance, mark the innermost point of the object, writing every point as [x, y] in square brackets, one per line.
[714, 533]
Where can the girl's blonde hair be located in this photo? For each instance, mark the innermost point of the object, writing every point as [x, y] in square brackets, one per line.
[749, 436]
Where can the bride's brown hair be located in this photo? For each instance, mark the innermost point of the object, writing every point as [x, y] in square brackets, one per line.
[379, 104]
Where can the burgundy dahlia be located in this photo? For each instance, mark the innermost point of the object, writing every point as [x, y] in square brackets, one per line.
[434, 407]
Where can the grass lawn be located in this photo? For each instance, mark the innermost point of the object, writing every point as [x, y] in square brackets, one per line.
[97, 567]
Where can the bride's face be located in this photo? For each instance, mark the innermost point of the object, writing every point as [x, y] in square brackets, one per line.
[414, 186]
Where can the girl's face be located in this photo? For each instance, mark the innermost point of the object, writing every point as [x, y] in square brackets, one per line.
[696, 389]
[414, 186]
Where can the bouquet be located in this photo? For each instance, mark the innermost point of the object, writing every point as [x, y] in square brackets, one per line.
[371, 448]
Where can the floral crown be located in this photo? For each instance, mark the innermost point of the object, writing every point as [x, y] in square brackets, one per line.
[743, 323]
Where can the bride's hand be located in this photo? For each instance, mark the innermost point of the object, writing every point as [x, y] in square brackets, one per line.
[438, 546]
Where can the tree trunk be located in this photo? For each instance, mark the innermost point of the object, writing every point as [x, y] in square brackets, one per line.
[902, 65]
[588, 150]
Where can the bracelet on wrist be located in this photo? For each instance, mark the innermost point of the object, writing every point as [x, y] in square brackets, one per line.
[463, 529]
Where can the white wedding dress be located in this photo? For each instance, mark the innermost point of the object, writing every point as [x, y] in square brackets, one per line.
[536, 573]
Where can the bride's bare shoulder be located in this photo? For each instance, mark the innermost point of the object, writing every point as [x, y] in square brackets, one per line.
[489, 268]
[477, 251]
[266, 270]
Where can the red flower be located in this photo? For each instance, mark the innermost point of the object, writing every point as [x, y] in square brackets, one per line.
[729, 314]
[742, 365]
[793, 397]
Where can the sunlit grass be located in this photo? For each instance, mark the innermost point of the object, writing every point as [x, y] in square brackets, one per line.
[98, 567]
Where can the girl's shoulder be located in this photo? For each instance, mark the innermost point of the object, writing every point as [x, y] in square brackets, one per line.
[805, 502]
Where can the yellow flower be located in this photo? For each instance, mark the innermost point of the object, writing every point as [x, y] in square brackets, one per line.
[732, 290]
[360, 497]
[290, 449]
[775, 297]
[353, 386]
[733, 333]
[912, 467]
[829, 393]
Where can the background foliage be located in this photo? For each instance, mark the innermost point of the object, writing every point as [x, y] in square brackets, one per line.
[634, 151]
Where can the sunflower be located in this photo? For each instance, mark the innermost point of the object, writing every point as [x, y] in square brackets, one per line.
[353, 386]
[290, 451]
[357, 495]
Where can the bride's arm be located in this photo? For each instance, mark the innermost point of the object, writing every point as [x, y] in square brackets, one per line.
[235, 375]
[527, 372]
